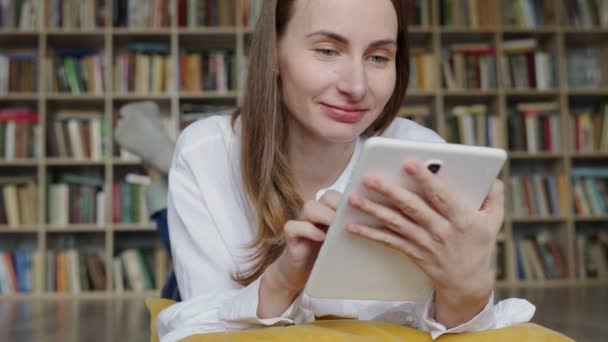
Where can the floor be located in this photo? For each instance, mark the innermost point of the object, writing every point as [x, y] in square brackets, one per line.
[581, 313]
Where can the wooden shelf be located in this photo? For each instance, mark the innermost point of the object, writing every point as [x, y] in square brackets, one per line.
[603, 219]
[19, 96]
[76, 228]
[134, 227]
[209, 95]
[208, 30]
[82, 295]
[516, 155]
[73, 162]
[19, 163]
[433, 39]
[534, 219]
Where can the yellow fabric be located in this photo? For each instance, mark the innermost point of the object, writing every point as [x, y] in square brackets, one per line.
[359, 331]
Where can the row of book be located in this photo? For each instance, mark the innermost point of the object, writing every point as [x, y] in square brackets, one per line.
[18, 71]
[196, 13]
[207, 70]
[18, 201]
[474, 125]
[76, 71]
[19, 14]
[129, 200]
[76, 199]
[72, 14]
[525, 66]
[19, 271]
[75, 270]
[470, 13]
[592, 254]
[77, 134]
[423, 74]
[585, 66]
[590, 190]
[586, 14]
[538, 195]
[143, 68]
[79, 199]
[19, 134]
[141, 14]
[528, 13]
[469, 66]
[591, 128]
[539, 257]
[191, 112]
[141, 269]
[535, 127]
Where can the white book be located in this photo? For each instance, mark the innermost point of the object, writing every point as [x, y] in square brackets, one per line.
[59, 206]
[604, 14]
[95, 137]
[556, 136]
[138, 179]
[60, 139]
[98, 72]
[118, 275]
[531, 132]
[75, 137]
[74, 271]
[9, 142]
[4, 74]
[542, 79]
[537, 181]
[11, 201]
[101, 208]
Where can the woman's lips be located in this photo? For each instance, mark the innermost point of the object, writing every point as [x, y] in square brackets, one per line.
[344, 114]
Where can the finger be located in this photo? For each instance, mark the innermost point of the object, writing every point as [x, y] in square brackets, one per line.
[317, 213]
[410, 204]
[297, 230]
[331, 199]
[436, 193]
[388, 238]
[394, 220]
[494, 204]
[496, 197]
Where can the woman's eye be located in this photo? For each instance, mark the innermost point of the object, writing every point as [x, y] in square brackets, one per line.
[326, 52]
[379, 59]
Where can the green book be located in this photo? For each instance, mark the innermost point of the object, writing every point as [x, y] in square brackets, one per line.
[148, 284]
[70, 68]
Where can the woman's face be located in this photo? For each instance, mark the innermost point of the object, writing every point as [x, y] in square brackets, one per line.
[337, 66]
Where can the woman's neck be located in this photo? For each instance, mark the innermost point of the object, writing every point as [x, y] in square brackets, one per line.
[317, 164]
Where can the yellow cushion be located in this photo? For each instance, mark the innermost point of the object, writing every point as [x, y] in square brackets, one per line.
[353, 330]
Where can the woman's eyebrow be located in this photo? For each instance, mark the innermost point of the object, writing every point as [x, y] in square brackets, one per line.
[343, 40]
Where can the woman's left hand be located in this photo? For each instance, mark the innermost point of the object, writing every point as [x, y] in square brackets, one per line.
[450, 242]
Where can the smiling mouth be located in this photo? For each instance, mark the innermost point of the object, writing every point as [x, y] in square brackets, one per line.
[344, 114]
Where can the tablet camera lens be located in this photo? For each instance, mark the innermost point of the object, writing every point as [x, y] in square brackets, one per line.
[434, 168]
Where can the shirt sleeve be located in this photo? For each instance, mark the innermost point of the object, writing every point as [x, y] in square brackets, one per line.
[421, 315]
[213, 302]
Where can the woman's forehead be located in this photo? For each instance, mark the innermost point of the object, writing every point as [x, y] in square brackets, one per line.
[375, 19]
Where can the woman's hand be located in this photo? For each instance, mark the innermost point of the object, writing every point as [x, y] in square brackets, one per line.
[449, 241]
[287, 276]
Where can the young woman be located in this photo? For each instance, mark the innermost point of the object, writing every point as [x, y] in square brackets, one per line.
[250, 196]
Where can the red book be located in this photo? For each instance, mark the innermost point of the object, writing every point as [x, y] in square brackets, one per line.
[10, 269]
[557, 257]
[18, 117]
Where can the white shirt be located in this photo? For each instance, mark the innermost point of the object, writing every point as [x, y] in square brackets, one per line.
[210, 224]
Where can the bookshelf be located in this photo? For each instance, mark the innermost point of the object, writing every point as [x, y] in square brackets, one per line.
[554, 36]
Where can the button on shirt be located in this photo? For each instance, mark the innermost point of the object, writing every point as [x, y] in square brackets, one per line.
[211, 223]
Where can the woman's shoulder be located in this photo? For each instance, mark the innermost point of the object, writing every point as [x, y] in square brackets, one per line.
[209, 134]
[406, 129]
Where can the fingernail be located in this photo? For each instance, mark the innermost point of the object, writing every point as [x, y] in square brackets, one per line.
[352, 228]
[410, 169]
[372, 183]
[354, 200]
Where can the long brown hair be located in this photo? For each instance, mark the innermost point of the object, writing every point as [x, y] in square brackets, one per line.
[265, 170]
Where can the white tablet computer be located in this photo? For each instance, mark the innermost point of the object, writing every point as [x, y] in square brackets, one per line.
[351, 267]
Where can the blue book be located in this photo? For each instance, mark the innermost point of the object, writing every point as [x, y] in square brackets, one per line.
[596, 172]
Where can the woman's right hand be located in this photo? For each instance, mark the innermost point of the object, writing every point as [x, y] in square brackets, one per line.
[287, 276]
